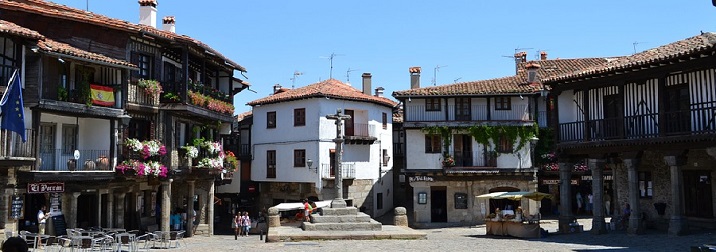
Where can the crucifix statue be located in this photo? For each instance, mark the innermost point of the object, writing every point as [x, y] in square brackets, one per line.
[338, 202]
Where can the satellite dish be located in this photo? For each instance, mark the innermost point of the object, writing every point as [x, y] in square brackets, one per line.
[77, 154]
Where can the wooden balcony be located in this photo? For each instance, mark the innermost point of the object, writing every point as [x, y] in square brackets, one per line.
[15, 152]
[699, 120]
[472, 159]
[360, 133]
[137, 96]
[417, 113]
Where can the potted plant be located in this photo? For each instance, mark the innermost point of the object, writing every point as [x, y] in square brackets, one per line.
[61, 93]
[448, 161]
[152, 87]
[171, 97]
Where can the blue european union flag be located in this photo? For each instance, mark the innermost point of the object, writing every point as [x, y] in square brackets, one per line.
[13, 114]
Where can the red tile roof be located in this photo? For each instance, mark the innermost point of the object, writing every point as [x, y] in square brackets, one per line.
[48, 45]
[12, 28]
[50, 9]
[515, 84]
[242, 116]
[693, 45]
[330, 88]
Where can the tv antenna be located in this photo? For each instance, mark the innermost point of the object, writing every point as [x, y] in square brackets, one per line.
[636, 43]
[455, 80]
[435, 74]
[516, 58]
[295, 76]
[348, 74]
[330, 58]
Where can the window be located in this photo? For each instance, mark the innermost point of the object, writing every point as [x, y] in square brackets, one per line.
[422, 198]
[386, 158]
[145, 66]
[460, 200]
[503, 103]
[271, 119]
[69, 138]
[432, 144]
[8, 59]
[299, 117]
[645, 185]
[299, 158]
[432, 104]
[270, 164]
[462, 109]
[505, 145]
[385, 120]
[379, 201]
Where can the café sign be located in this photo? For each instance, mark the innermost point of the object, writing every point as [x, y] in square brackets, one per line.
[54, 187]
[421, 178]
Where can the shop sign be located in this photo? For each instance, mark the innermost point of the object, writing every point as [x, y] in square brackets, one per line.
[421, 178]
[589, 177]
[55, 187]
[556, 182]
[16, 205]
[252, 188]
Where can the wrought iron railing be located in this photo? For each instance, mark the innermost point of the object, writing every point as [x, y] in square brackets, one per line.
[348, 171]
[12, 146]
[472, 159]
[63, 160]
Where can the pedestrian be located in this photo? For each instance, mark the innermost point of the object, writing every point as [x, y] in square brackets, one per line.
[579, 202]
[175, 220]
[42, 219]
[246, 223]
[607, 203]
[589, 203]
[14, 244]
[236, 224]
[306, 210]
[625, 216]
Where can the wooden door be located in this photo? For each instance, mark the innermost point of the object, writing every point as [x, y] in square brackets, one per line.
[350, 129]
[462, 109]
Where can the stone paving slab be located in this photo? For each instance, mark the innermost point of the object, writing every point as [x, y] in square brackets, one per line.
[277, 234]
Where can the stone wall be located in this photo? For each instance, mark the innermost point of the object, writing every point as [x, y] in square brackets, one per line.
[476, 208]
[360, 191]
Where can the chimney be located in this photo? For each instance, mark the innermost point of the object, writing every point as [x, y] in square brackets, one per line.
[414, 77]
[366, 83]
[168, 24]
[276, 88]
[148, 12]
[543, 55]
[379, 91]
[520, 57]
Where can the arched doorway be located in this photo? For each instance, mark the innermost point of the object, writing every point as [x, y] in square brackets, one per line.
[503, 203]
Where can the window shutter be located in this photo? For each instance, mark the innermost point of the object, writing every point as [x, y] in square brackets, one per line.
[134, 59]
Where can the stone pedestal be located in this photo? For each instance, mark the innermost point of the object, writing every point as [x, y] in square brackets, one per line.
[274, 219]
[401, 217]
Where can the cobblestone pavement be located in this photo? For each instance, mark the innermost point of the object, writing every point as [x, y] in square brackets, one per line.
[468, 239]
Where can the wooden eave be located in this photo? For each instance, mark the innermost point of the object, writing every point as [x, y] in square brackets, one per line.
[60, 176]
[191, 110]
[625, 145]
[78, 110]
[463, 124]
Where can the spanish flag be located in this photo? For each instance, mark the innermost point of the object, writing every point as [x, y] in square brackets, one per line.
[101, 95]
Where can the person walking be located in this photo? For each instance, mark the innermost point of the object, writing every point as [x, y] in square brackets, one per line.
[246, 223]
[236, 224]
[579, 202]
[590, 203]
[41, 224]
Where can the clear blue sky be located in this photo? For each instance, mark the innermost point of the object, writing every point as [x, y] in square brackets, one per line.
[272, 39]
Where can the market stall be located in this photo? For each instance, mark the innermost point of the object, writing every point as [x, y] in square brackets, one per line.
[512, 222]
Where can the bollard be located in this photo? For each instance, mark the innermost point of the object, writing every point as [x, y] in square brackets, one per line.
[261, 236]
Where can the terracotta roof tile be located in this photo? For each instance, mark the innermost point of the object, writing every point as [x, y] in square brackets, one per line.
[48, 45]
[148, 3]
[330, 88]
[242, 116]
[414, 69]
[398, 115]
[12, 28]
[693, 45]
[506, 85]
[50, 9]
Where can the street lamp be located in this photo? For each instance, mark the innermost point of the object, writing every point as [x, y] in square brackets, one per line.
[309, 163]
[533, 144]
[124, 123]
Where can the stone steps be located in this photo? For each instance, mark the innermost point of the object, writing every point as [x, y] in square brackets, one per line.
[340, 211]
[369, 226]
[357, 218]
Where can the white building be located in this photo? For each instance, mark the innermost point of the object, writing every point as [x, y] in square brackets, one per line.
[294, 153]
[471, 138]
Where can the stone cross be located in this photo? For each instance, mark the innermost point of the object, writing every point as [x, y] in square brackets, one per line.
[338, 202]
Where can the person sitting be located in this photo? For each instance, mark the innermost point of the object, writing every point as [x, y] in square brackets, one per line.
[14, 244]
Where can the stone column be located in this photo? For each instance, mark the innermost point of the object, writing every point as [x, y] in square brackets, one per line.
[597, 168]
[190, 209]
[635, 226]
[120, 209]
[565, 196]
[210, 214]
[99, 208]
[110, 207]
[72, 220]
[274, 220]
[166, 205]
[677, 223]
